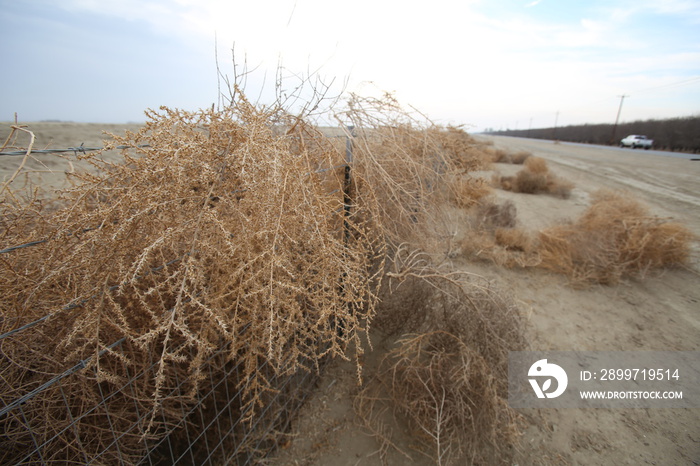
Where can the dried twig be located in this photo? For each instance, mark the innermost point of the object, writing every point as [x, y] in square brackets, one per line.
[24, 158]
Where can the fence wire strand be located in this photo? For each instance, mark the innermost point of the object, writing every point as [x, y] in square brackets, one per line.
[75, 150]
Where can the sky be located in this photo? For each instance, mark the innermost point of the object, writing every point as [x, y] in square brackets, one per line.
[501, 64]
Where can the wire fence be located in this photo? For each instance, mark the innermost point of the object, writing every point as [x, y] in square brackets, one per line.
[216, 426]
[81, 149]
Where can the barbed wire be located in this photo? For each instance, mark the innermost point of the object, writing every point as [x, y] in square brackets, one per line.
[80, 149]
[83, 150]
[82, 364]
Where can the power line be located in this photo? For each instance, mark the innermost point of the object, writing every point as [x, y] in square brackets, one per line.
[81, 149]
[670, 85]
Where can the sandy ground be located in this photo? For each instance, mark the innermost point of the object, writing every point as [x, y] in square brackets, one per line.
[661, 312]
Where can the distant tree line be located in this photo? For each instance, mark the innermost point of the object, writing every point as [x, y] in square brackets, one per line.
[675, 134]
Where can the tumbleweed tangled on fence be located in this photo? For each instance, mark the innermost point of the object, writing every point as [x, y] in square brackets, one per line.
[220, 234]
[229, 242]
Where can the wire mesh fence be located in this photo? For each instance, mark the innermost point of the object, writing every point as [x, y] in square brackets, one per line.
[47, 417]
[215, 427]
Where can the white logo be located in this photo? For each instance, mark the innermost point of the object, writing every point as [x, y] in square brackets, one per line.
[542, 369]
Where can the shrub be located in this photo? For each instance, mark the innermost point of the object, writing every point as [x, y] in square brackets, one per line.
[615, 238]
[405, 167]
[514, 239]
[529, 182]
[215, 243]
[559, 188]
[467, 191]
[442, 385]
[492, 235]
[490, 215]
[448, 370]
[502, 156]
[464, 153]
[499, 156]
[520, 157]
[536, 165]
[534, 178]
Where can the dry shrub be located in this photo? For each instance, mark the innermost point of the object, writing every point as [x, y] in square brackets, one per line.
[502, 156]
[615, 238]
[559, 188]
[489, 215]
[536, 165]
[492, 235]
[535, 178]
[451, 398]
[499, 155]
[514, 239]
[464, 152]
[520, 157]
[467, 191]
[505, 183]
[505, 247]
[484, 219]
[447, 378]
[528, 182]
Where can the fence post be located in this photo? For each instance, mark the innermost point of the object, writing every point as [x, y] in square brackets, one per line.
[347, 199]
[347, 183]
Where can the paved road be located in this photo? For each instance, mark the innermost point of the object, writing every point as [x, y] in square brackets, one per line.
[626, 149]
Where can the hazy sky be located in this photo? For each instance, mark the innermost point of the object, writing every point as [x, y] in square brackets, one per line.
[489, 63]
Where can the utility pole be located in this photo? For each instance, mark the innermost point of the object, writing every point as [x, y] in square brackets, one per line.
[619, 110]
[556, 120]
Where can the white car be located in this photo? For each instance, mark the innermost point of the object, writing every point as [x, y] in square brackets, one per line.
[636, 140]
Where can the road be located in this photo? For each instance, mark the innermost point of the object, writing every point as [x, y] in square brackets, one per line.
[669, 183]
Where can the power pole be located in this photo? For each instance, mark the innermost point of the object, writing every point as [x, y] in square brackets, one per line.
[619, 110]
[556, 120]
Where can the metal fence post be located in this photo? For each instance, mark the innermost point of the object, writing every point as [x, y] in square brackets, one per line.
[347, 182]
[347, 200]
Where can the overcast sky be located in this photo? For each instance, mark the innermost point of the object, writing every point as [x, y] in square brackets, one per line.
[489, 63]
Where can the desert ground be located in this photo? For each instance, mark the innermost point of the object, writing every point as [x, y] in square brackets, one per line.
[660, 311]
